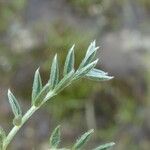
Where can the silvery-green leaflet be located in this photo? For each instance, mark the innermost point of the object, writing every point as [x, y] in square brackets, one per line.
[42, 93]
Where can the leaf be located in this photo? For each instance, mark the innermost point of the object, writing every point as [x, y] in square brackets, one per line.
[98, 75]
[69, 63]
[54, 76]
[99, 71]
[2, 137]
[83, 71]
[64, 82]
[55, 138]
[14, 104]
[90, 54]
[91, 47]
[105, 146]
[82, 140]
[39, 99]
[37, 85]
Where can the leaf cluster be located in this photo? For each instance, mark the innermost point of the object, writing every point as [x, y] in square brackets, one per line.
[42, 93]
[79, 144]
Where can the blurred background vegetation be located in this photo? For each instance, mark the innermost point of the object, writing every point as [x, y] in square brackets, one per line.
[32, 31]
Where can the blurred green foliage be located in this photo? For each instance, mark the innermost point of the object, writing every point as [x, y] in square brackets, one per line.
[8, 11]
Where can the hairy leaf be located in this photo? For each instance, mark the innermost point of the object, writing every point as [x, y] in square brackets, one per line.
[69, 63]
[82, 140]
[37, 85]
[14, 104]
[98, 75]
[54, 76]
[105, 146]
[41, 94]
[55, 138]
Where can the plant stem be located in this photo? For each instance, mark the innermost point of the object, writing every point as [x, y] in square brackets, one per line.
[15, 129]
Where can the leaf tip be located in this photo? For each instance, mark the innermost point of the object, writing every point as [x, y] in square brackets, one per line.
[38, 69]
[91, 131]
[113, 143]
[94, 42]
[96, 61]
[110, 77]
[73, 46]
[55, 57]
[8, 91]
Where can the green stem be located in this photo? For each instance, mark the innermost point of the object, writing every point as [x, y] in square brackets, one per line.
[15, 129]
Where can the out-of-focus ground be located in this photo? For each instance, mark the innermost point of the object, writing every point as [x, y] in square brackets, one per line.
[32, 31]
